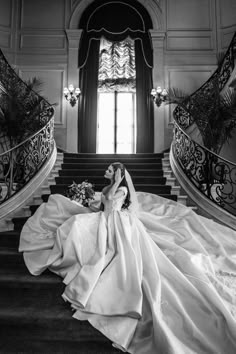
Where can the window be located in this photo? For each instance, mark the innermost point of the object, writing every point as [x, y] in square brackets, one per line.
[116, 128]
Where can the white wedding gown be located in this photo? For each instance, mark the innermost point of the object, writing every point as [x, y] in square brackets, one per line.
[162, 281]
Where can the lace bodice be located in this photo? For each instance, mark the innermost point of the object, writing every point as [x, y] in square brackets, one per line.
[114, 204]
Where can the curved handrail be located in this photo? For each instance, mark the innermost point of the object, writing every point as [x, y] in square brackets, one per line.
[212, 175]
[221, 74]
[24, 141]
[20, 164]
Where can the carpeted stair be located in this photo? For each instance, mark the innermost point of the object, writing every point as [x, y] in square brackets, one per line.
[33, 316]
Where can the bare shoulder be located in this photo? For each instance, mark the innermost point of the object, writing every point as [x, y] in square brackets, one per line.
[105, 189]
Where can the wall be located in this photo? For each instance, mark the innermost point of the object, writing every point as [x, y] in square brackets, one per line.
[196, 30]
[188, 34]
[33, 39]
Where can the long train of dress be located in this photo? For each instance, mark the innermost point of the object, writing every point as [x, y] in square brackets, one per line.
[160, 281]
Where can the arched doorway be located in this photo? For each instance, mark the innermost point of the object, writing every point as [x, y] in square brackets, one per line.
[115, 21]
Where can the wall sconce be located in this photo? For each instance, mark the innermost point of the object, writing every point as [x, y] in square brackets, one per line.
[159, 95]
[71, 94]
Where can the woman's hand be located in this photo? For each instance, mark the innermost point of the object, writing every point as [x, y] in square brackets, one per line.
[118, 177]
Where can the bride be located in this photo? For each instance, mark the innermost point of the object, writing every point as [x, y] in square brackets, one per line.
[149, 273]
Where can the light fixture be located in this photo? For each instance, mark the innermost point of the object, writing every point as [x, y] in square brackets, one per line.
[159, 95]
[71, 94]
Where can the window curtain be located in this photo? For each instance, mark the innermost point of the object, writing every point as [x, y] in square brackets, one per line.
[145, 109]
[87, 114]
[117, 66]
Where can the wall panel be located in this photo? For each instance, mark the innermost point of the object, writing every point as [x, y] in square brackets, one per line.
[52, 88]
[46, 14]
[189, 14]
[227, 13]
[6, 13]
[39, 42]
[189, 40]
[5, 38]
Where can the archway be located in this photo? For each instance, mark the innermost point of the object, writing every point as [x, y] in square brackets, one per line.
[153, 10]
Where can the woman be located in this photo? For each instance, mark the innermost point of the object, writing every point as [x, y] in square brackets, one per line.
[147, 272]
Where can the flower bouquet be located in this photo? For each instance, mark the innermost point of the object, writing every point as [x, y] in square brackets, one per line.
[82, 193]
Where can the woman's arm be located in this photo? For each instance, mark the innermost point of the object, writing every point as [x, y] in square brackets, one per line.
[113, 193]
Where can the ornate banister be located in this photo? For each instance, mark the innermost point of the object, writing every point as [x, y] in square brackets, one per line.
[21, 163]
[212, 175]
[222, 74]
[22, 155]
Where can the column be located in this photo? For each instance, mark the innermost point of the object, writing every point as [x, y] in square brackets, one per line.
[73, 36]
[158, 38]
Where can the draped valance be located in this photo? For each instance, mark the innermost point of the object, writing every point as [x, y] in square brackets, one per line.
[115, 21]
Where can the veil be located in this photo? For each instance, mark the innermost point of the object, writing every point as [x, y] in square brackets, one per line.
[134, 206]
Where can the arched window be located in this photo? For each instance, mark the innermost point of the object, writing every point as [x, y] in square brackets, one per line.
[119, 23]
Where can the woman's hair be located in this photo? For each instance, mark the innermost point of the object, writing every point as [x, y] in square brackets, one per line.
[120, 165]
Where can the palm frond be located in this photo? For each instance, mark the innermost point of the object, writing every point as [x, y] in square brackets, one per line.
[176, 96]
[233, 84]
[35, 84]
[220, 57]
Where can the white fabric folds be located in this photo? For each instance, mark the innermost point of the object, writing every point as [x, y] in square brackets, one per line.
[160, 281]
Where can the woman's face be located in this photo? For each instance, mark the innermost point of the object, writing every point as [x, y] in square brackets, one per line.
[109, 174]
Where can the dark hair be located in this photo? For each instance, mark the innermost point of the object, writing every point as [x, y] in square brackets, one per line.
[120, 165]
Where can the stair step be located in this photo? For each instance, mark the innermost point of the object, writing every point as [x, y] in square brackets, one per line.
[100, 172]
[167, 196]
[130, 165]
[110, 160]
[9, 239]
[100, 179]
[11, 259]
[21, 278]
[114, 157]
[154, 188]
[47, 346]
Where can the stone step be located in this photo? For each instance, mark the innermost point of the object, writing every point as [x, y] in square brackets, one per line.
[103, 165]
[21, 345]
[100, 172]
[100, 179]
[152, 188]
[114, 157]
[110, 160]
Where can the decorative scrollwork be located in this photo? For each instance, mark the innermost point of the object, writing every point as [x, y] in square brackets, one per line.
[20, 164]
[214, 176]
[222, 74]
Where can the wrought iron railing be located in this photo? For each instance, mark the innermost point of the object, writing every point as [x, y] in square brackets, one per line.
[20, 164]
[212, 175]
[222, 74]
[22, 157]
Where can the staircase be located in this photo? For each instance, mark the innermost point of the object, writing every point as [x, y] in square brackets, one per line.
[33, 316]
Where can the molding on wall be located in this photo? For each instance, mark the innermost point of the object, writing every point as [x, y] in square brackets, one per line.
[5, 38]
[151, 6]
[190, 40]
[42, 42]
[210, 8]
[23, 26]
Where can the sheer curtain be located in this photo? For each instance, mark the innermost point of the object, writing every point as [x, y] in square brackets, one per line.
[117, 66]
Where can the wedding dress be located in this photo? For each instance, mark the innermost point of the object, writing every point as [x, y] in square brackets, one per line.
[158, 281]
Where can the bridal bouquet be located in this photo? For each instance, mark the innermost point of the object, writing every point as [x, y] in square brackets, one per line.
[82, 193]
